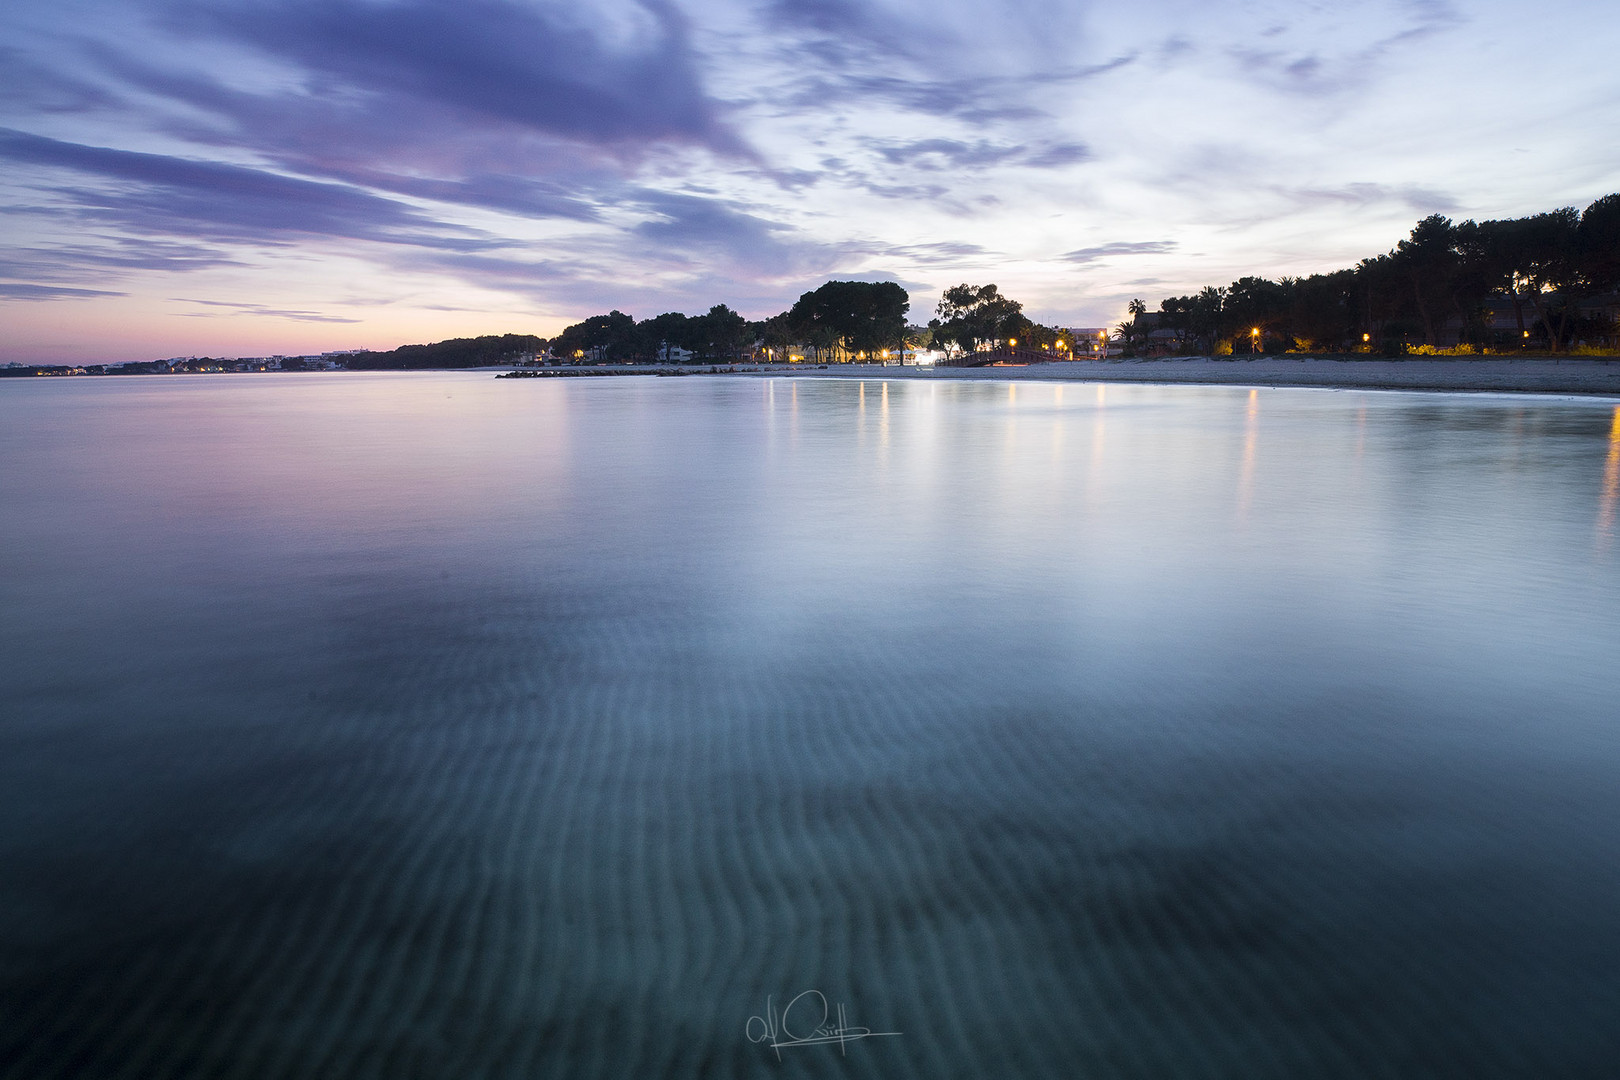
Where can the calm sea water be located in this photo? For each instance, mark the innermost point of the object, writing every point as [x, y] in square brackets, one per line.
[430, 725]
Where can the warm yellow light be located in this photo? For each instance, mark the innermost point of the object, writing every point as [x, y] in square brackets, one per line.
[1255, 332]
[1527, 333]
[1366, 337]
[1011, 342]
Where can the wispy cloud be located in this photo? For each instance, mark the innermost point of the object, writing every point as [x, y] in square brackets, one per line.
[157, 193]
[1109, 251]
[235, 308]
[955, 154]
[27, 291]
[542, 67]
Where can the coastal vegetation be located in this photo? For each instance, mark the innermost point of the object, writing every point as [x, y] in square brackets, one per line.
[485, 351]
[1455, 286]
[841, 320]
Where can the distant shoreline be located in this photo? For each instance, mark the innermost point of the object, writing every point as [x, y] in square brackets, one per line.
[1562, 376]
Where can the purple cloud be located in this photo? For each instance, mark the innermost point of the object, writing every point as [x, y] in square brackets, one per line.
[1107, 251]
[156, 193]
[489, 61]
[24, 291]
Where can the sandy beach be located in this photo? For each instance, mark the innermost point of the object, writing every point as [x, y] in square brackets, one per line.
[1539, 375]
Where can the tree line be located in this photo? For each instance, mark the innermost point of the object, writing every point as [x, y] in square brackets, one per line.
[486, 351]
[971, 317]
[1438, 286]
[841, 320]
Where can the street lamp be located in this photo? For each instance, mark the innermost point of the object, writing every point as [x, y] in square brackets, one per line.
[1254, 340]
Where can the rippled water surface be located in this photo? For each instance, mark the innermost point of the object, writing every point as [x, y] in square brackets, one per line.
[430, 725]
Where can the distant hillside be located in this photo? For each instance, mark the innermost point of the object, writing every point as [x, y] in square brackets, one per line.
[455, 353]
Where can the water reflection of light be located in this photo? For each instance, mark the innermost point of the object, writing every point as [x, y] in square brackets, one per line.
[1094, 476]
[1012, 419]
[883, 419]
[1611, 482]
[1250, 436]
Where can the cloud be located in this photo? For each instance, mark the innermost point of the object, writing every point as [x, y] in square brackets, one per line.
[1307, 61]
[112, 255]
[1059, 155]
[1424, 200]
[156, 193]
[1108, 251]
[942, 252]
[850, 34]
[526, 66]
[259, 309]
[686, 226]
[941, 154]
[24, 291]
[971, 99]
[26, 83]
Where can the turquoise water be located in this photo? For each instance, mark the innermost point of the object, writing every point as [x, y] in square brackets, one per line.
[429, 725]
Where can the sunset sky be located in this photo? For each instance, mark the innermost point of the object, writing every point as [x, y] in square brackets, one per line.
[285, 176]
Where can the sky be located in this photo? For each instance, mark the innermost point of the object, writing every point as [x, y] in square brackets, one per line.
[252, 177]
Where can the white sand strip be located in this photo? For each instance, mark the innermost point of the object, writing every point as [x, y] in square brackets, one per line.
[1541, 375]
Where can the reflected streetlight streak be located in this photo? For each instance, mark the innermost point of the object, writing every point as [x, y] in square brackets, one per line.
[1250, 436]
[1012, 417]
[1611, 484]
[883, 419]
[1094, 475]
